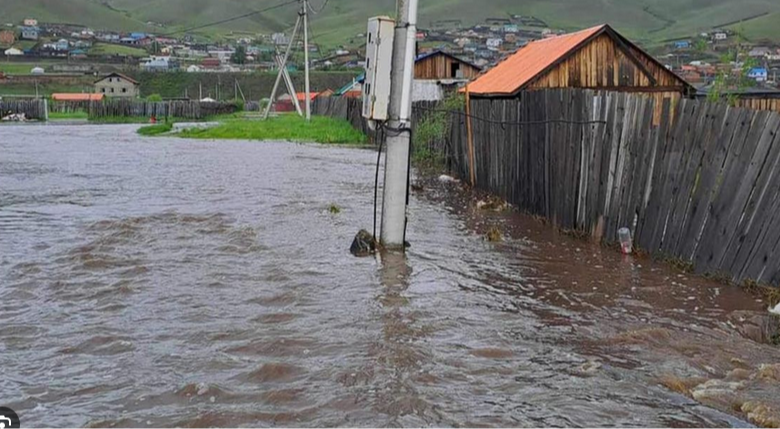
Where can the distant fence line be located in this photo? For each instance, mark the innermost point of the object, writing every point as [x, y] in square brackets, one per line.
[173, 109]
[703, 187]
[32, 109]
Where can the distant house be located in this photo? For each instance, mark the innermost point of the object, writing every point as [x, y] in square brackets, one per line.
[30, 22]
[598, 58]
[138, 36]
[285, 102]
[759, 74]
[442, 65]
[159, 64]
[353, 89]
[682, 44]
[30, 33]
[117, 85]
[7, 37]
[13, 52]
[510, 28]
[211, 63]
[61, 45]
[494, 43]
[759, 52]
[721, 36]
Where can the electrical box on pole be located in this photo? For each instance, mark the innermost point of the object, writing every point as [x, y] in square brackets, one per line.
[379, 60]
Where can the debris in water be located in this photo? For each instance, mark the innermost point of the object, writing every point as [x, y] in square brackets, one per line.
[493, 204]
[776, 310]
[364, 244]
[334, 209]
[15, 117]
[626, 244]
[494, 234]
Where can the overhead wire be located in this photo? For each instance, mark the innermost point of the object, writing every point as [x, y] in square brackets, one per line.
[235, 18]
[316, 11]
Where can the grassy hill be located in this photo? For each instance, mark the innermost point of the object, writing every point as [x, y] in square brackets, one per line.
[644, 20]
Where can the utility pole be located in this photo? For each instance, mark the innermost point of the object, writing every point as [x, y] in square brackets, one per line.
[396, 189]
[307, 90]
[282, 69]
[303, 18]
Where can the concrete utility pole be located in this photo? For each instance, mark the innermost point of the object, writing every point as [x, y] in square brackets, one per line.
[399, 132]
[307, 89]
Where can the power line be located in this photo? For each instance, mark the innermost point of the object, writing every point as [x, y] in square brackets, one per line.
[235, 18]
[317, 11]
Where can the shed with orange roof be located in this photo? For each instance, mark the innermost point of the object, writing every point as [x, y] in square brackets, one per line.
[598, 58]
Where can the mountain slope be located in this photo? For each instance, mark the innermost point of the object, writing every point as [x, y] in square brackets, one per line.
[644, 20]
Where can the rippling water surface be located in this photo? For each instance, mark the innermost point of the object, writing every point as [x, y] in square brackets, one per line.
[166, 282]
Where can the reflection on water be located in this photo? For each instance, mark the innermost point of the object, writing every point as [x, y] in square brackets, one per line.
[164, 282]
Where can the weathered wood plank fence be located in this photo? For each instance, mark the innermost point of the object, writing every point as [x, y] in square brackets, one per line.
[32, 109]
[177, 109]
[704, 189]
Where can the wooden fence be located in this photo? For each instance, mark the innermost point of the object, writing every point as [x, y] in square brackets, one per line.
[705, 189]
[351, 110]
[172, 109]
[32, 109]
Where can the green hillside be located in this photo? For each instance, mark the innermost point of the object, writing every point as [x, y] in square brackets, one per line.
[644, 20]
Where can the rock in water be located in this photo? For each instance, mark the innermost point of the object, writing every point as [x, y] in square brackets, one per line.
[363, 245]
[776, 310]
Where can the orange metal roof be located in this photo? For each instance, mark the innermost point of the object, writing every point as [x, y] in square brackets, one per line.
[77, 97]
[511, 74]
[302, 95]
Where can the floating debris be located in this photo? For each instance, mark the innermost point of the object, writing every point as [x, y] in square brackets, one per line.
[494, 235]
[493, 204]
[776, 310]
[15, 117]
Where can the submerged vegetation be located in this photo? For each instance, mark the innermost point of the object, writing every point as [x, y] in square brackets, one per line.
[431, 132]
[157, 129]
[287, 127]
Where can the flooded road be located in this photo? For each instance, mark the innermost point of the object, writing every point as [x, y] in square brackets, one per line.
[167, 282]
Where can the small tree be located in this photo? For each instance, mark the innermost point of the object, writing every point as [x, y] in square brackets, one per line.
[239, 56]
[730, 82]
[154, 98]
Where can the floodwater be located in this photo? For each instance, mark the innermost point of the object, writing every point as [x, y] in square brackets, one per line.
[167, 282]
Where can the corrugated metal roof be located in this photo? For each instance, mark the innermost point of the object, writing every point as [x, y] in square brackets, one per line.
[508, 76]
[77, 97]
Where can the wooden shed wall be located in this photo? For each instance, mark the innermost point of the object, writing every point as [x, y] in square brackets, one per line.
[439, 66]
[601, 64]
[759, 103]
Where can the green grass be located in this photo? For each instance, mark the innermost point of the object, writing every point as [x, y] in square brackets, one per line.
[20, 68]
[68, 115]
[288, 127]
[157, 129]
[108, 49]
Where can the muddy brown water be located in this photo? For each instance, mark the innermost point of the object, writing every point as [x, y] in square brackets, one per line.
[166, 282]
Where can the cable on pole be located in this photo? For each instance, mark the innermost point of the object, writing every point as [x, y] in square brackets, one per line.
[235, 18]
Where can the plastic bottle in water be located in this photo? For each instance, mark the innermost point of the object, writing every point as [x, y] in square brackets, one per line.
[626, 245]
